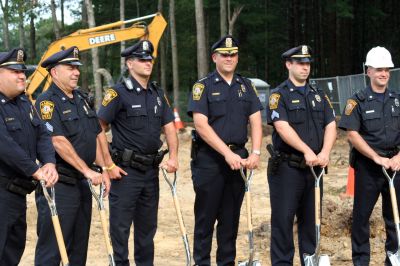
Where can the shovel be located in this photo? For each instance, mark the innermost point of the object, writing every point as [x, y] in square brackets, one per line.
[317, 259]
[99, 198]
[247, 182]
[172, 185]
[394, 257]
[56, 222]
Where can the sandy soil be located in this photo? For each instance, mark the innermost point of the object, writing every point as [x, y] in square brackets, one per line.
[169, 249]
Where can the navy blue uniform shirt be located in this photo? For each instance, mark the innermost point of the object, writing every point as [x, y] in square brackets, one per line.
[23, 138]
[306, 112]
[71, 118]
[136, 116]
[227, 107]
[377, 121]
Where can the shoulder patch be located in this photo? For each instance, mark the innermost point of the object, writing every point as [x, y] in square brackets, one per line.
[110, 95]
[198, 89]
[46, 109]
[329, 101]
[274, 101]
[166, 100]
[350, 106]
[254, 88]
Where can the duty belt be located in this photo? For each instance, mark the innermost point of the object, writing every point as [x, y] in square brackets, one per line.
[68, 175]
[388, 153]
[232, 146]
[142, 162]
[18, 185]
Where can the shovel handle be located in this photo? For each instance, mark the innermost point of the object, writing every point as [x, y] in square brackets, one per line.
[104, 226]
[60, 240]
[393, 198]
[179, 215]
[317, 205]
[248, 209]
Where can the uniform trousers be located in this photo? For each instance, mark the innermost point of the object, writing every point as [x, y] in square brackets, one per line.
[12, 227]
[134, 200]
[74, 207]
[370, 182]
[291, 194]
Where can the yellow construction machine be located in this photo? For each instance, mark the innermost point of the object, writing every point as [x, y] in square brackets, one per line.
[86, 39]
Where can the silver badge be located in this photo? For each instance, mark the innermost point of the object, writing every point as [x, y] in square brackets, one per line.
[76, 53]
[396, 102]
[145, 46]
[159, 101]
[304, 49]
[318, 98]
[20, 56]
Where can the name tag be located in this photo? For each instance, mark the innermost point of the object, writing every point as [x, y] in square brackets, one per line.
[8, 119]
[66, 111]
[370, 111]
[295, 101]
[215, 93]
[136, 106]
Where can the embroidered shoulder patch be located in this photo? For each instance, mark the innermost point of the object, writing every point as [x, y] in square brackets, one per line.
[254, 88]
[110, 95]
[274, 101]
[198, 89]
[46, 109]
[329, 101]
[350, 106]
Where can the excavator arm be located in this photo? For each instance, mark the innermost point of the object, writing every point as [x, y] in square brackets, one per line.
[99, 36]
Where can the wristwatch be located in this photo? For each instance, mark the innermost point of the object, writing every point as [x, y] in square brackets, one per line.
[257, 152]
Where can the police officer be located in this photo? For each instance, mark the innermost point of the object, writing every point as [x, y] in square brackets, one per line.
[75, 134]
[23, 140]
[303, 136]
[372, 121]
[221, 105]
[137, 111]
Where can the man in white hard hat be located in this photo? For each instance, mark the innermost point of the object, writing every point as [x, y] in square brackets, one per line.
[372, 121]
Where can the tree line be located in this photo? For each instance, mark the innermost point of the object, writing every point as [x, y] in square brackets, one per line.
[340, 32]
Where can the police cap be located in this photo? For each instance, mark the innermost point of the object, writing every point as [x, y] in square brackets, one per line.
[69, 56]
[300, 53]
[142, 50]
[14, 59]
[226, 45]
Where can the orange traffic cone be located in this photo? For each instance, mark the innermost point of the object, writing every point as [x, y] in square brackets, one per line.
[350, 182]
[178, 123]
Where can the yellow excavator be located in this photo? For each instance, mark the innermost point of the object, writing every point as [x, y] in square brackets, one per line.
[86, 39]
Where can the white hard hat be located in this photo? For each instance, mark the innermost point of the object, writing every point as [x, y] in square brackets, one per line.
[379, 57]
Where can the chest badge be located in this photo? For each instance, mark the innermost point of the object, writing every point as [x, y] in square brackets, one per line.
[243, 88]
[318, 98]
[396, 102]
[46, 109]
[159, 101]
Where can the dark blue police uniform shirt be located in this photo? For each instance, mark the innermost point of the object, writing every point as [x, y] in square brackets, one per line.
[377, 121]
[23, 138]
[307, 113]
[136, 116]
[71, 118]
[227, 107]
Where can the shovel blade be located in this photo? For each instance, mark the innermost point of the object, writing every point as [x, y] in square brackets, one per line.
[394, 258]
[246, 263]
[324, 261]
[314, 260]
[310, 260]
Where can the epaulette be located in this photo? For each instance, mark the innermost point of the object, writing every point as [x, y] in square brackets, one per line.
[274, 90]
[360, 95]
[155, 85]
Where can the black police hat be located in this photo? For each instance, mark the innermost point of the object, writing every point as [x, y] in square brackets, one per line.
[300, 53]
[69, 56]
[226, 45]
[142, 50]
[14, 59]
